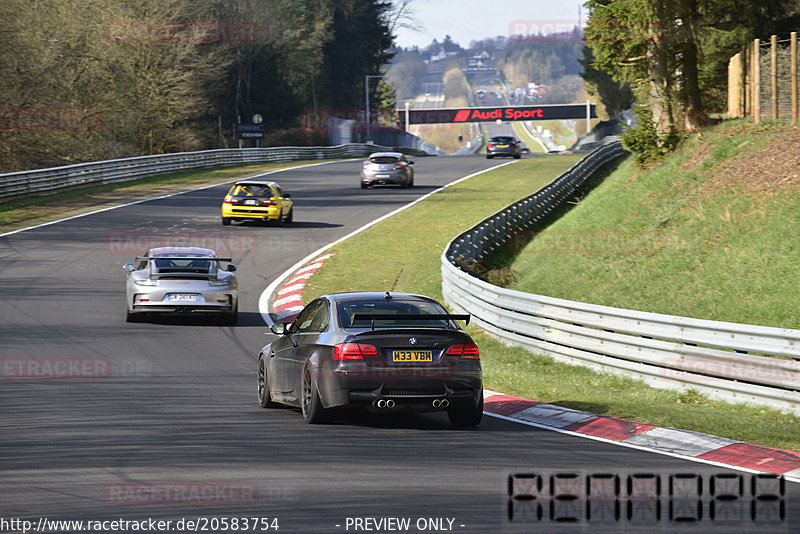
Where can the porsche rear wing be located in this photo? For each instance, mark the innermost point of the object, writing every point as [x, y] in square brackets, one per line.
[178, 273]
[372, 317]
[216, 258]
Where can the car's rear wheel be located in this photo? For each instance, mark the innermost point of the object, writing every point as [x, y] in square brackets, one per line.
[226, 221]
[311, 404]
[517, 156]
[290, 216]
[489, 156]
[264, 399]
[363, 185]
[466, 416]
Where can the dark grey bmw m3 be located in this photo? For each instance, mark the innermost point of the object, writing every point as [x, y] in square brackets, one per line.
[385, 352]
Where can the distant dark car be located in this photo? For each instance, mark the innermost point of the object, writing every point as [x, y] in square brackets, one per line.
[387, 168]
[504, 146]
[383, 352]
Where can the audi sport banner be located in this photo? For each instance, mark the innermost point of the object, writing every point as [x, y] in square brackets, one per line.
[507, 113]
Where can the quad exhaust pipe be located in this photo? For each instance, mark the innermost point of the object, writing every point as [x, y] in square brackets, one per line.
[386, 403]
[443, 403]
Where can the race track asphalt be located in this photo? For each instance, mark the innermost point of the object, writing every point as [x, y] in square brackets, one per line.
[163, 421]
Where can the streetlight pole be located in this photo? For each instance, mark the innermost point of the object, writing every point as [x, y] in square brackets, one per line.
[366, 93]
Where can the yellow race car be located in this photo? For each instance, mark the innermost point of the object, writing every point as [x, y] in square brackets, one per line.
[257, 200]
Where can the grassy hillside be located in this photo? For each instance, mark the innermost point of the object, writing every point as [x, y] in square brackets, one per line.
[713, 232]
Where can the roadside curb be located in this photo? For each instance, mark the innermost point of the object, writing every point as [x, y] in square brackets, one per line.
[288, 303]
[666, 440]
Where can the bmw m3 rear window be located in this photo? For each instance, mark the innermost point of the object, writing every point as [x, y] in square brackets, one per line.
[347, 311]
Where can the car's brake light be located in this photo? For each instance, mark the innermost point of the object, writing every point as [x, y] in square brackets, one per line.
[230, 201]
[491, 145]
[268, 203]
[353, 351]
[401, 164]
[464, 350]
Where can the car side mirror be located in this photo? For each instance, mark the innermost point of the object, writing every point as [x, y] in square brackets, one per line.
[278, 328]
[287, 195]
[410, 162]
[283, 329]
[127, 267]
[230, 268]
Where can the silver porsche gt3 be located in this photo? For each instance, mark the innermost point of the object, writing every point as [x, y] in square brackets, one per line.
[181, 280]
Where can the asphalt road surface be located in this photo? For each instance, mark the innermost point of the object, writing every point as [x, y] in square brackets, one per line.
[162, 422]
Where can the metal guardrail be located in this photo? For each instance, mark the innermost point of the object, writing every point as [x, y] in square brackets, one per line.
[43, 181]
[727, 361]
[488, 236]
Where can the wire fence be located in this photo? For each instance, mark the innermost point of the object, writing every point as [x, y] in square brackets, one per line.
[762, 81]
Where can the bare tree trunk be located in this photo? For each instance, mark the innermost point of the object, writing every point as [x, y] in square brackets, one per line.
[694, 116]
[659, 76]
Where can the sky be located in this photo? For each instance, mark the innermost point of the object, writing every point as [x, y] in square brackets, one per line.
[468, 20]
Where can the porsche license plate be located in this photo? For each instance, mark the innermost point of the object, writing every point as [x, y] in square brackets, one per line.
[182, 297]
[412, 356]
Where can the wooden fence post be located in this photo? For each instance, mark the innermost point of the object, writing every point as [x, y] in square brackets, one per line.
[757, 81]
[793, 77]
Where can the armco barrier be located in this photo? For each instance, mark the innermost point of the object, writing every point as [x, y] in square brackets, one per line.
[44, 181]
[727, 361]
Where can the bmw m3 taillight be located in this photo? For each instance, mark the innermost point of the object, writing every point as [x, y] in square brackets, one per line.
[467, 351]
[230, 201]
[353, 351]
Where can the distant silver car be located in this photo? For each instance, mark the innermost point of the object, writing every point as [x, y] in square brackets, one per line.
[387, 168]
[181, 280]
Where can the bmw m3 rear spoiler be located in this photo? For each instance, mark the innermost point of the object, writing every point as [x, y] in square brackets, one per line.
[372, 317]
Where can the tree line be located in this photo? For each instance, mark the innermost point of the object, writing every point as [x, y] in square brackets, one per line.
[83, 80]
[671, 56]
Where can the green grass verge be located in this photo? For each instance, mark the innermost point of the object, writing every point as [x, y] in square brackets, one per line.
[403, 253]
[666, 240]
[37, 209]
